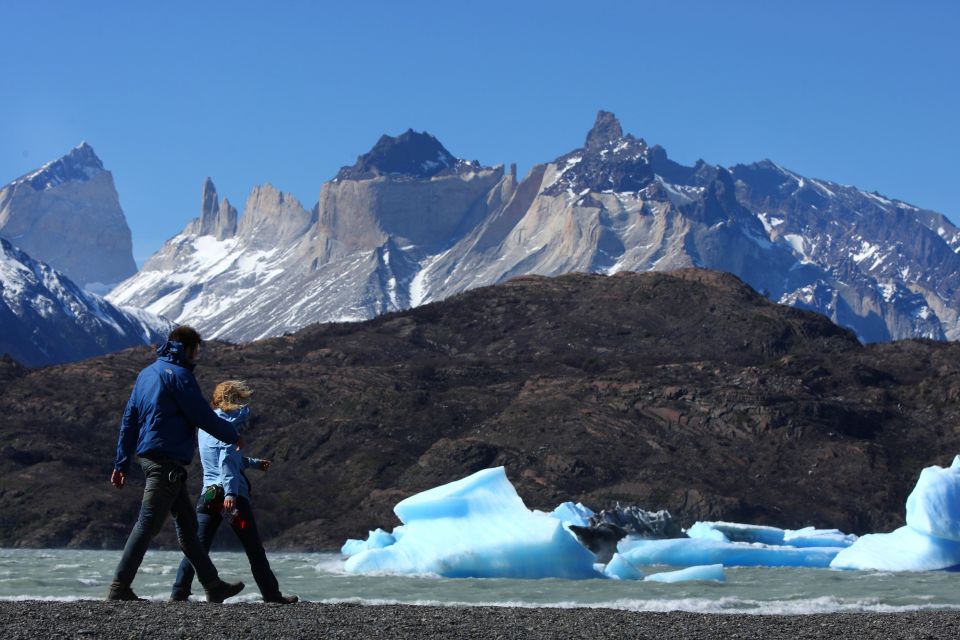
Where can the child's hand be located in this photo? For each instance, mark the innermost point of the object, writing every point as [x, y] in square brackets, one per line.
[265, 465]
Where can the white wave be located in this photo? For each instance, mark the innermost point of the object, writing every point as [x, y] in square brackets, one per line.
[808, 606]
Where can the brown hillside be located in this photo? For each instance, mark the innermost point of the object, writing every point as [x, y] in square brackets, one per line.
[683, 390]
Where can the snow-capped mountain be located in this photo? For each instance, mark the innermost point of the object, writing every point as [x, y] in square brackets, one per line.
[67, 214]
[352, 257]
[410, 223]
[47, 319]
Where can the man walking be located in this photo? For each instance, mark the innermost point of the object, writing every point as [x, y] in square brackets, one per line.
[160, 423]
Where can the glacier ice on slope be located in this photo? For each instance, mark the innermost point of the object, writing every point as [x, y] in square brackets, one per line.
[477, 527]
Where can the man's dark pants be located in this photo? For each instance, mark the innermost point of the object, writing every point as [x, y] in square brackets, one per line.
[249, 537]
[164, 494]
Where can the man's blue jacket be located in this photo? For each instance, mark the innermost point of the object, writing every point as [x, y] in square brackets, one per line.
[164, 411]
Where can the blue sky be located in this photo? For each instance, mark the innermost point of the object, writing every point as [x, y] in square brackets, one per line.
[864, 93]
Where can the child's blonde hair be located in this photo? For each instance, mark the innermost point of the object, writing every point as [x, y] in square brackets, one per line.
[230, 394]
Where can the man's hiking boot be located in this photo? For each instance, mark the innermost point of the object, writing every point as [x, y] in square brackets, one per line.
[122, 592]
[282, 599]
[223, 590]
[179, 597]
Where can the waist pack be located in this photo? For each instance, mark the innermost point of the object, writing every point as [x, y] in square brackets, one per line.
[211, 500]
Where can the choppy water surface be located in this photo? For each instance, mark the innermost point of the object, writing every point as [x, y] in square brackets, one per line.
[71, 575]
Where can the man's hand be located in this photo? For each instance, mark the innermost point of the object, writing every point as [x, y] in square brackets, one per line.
[118, 479]
[241, 443]
[229, 503]
[265, 465]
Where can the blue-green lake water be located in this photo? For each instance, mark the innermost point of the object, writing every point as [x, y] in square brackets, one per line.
[73, 575]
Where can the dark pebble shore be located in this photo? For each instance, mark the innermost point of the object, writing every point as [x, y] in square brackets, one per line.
[153, 620]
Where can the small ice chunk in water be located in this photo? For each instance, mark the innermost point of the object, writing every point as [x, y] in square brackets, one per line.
[619, 569]
[705, 573]
[902, 550]
[933, 507]
[688, 552]
[810, 537]
[477, 527]
[705, 531]
[375, 540]
[735, 532]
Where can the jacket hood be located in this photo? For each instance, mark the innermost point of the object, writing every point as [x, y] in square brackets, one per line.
[174, 352]
[238, 417]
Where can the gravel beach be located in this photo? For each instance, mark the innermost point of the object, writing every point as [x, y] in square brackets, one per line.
[154, 620]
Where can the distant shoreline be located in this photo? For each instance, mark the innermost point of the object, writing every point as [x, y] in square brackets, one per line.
[30, 619]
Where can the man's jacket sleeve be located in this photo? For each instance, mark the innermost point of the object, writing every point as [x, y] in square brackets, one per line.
[199, 413]
[129, 432]
[230, 463]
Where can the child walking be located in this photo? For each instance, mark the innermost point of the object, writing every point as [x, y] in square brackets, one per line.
[226, 496]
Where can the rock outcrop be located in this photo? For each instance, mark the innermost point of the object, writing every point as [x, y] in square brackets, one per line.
[67, 214]
[356, 255]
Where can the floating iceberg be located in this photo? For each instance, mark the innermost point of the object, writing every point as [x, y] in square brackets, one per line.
[619, 569]
[690, 552]
[933, 507]
[734, 532]
[811, 537]
[806, 537]
[931, 539]
[706, 573]
[570, 513]
[902, 550]
[477, 527]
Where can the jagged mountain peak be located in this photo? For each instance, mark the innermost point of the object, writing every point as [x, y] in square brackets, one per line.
[605, 129]
[67, 214]
[209, 198]
[218, 218]
[79, 165]
[608, 161]
[411, 154]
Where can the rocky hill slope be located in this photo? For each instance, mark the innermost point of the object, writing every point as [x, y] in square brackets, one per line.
[410, 223]
[685, 390]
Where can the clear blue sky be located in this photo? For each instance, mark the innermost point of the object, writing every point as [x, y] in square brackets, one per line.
[864, 93]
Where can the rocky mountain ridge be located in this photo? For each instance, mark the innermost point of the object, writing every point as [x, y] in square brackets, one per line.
[48, 319]
[410, 223]
[685, 390]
